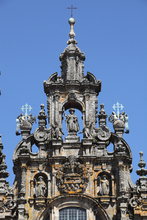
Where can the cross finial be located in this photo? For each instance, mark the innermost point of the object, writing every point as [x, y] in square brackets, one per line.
[117, 107]
[26, 108]
[71, 8]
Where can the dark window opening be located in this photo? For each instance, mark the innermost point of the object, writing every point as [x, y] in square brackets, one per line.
[72, 213]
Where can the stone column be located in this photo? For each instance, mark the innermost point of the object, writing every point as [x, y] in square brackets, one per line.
[54, 183]
[87, 97]
[32, 188]
[21, 200]
[49, 186]
[56, 109]
[23, 180]
[122, 198]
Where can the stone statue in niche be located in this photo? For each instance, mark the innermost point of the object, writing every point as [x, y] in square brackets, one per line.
[40, 187]
[72, 122]
[56, 132]
[104, 185]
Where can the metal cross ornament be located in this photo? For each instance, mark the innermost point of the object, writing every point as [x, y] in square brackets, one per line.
[118, 107]
[26, 108]
[71, 8]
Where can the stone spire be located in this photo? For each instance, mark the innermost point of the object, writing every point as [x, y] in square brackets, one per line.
[3, 173]
[102, 116]
[42, 117]
[142, 181]
[72, 58]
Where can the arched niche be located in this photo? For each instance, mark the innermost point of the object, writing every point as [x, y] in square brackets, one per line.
[73, 104]
[90, 205]
[104, 184]
[40, 185]
[79, 118]
[79, 107]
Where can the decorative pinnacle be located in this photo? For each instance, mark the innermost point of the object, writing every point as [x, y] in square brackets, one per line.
[72, 35]
[141, 164]
[42, 117]
[102, 115]
[102, 111]
[3, 173]
[1, 145]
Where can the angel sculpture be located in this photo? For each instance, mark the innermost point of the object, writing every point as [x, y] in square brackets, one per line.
[88, 130]
[56, 132]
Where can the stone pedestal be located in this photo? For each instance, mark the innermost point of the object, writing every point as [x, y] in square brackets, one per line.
[56, 144]
[72, 138]
[87, 145]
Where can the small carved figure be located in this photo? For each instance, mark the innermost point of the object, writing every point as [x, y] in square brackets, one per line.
[40, 187]
[72, 161]
[104, 187]
[72, 121]
[56, 132]
[87, 130]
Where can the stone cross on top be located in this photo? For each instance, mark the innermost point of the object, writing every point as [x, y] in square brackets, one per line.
[26, 108]
[71, 8]
[118, 107]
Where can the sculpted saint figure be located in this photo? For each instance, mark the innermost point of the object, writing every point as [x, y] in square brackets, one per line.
[72, 121]
[56, 131]
[40, 187]
[104, 188]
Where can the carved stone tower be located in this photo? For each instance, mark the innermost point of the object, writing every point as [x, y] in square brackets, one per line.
[73, 178]
[72, 89]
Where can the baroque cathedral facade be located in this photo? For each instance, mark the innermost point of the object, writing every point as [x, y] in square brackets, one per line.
[73, 177]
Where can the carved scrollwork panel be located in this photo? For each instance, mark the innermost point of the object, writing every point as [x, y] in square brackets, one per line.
[72, 177]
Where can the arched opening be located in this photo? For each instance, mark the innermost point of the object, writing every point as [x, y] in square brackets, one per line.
[73, 104]
[72, 213]
[34, 149]
[110, 148]
[72, 207]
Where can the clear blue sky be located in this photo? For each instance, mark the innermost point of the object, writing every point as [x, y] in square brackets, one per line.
[113, 35]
